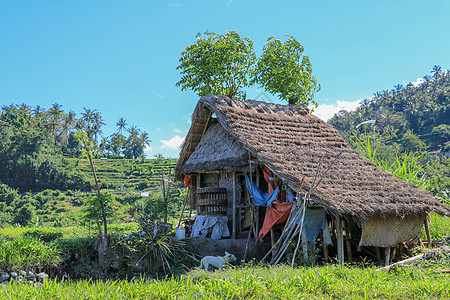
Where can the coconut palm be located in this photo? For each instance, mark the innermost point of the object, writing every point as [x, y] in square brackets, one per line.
[121, 124]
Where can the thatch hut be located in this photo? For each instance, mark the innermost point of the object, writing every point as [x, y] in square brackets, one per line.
[230, 138]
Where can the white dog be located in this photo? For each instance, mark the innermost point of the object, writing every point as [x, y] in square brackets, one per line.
[216, 261]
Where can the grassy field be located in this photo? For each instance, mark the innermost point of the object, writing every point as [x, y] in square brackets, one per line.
[125, 174]
[255, 282]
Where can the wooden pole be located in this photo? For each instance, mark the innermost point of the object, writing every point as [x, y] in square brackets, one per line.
[272, 240]
[387, 255]
[184, 206]
[234, 206]
[325, 248]
[340, 240]
[348, 242]
[427, 230]
[164, 195]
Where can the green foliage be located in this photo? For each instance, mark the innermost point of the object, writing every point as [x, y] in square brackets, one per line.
[24, 215]
[28, 253]
[225, 64]
[405, 166]
[441, 133]
[412, 143]
[283, 69]
[44, 234]
[256, 282]
[217, 64]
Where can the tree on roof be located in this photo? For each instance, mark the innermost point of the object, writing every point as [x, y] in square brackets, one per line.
[283, 69]
[226, 64]
[217, 64]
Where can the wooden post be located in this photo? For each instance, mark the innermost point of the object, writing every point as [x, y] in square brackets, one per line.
[427, 230]
[348, 242]
[272, 241]
[304, 246]
[387, 255]
[234, 206]
[164, 195]
[340, 240]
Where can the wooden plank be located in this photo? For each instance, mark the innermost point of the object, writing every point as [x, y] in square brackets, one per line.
[340, 240]
[427, 230]
[233, 236]
[387, 255]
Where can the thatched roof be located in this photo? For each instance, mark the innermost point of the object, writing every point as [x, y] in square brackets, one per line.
[218, 150]
[291, 142]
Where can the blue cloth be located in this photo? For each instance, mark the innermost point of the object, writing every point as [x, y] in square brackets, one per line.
[260, 198]
[314, 221]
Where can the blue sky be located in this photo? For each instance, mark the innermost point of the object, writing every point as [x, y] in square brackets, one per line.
[120, 57]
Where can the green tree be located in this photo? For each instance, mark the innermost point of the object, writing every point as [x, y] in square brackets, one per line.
[284, 70]
[412, 143]
[217, 64]
[98, 205]
[441, 133]
[24, 215]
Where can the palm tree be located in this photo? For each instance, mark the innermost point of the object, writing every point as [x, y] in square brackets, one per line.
[68, 122]
[97, 124]
[437, 71]
[121, 124]
[54, 114]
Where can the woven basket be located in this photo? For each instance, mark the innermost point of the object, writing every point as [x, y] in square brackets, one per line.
[212, 201]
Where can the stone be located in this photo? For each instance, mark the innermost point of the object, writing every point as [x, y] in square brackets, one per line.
[19, 279]
[42, 277]
[13, 275]
[30, 282]
[4, 276]
[5, 282]
[23, 273]
[31, 275]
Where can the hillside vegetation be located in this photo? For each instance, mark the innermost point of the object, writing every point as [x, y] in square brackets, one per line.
[407, 126]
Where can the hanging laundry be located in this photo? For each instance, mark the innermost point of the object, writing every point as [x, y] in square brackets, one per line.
[276, 214]
[260, 198]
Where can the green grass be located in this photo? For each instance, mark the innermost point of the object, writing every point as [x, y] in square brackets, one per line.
[255, 282]
[24, 253]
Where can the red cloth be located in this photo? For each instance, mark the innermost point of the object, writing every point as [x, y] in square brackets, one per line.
[277, 213]
[267, 175]
[186, 180]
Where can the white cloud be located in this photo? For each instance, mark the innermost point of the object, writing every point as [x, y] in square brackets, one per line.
[326, 111]
[177, 130]
[173, 143]
[158, 129]
[229, 2]
[147, 150]
[418, 82]
[160, 96]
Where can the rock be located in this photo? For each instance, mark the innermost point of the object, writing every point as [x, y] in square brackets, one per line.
[31, 276]
[4, 276]
[5, 282]
[19, 279]
[30, 282]
[42, 277]
[13, 275]
[23, 274]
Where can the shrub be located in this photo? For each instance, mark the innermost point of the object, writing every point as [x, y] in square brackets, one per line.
[28, 253]
[24, 215]
[45, 235]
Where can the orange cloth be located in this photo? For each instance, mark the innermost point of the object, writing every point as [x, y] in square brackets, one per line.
[267, 175]
[186, 180]
[277, 213]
